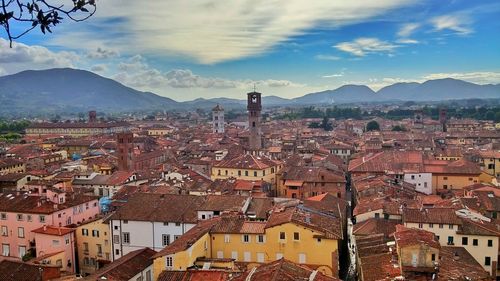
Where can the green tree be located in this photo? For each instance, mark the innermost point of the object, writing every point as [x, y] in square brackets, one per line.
[326, 125]
[490, 115]
[398, 128]
[373, 126]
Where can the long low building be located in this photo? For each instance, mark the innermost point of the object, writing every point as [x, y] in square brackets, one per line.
[76, 129]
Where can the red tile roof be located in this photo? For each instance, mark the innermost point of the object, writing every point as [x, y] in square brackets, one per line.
[52, 230]
[411, 236]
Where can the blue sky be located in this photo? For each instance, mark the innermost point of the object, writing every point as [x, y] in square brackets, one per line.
[208, 48]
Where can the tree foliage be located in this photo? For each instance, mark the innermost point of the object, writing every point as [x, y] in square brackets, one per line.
[372, 126]
[31, 14]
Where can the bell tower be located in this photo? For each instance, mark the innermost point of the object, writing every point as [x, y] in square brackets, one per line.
[254, 107]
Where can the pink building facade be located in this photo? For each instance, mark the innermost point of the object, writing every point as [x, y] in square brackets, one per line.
[20, 214]
[56, 246]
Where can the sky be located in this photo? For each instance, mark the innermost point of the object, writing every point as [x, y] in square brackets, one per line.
[206, 48]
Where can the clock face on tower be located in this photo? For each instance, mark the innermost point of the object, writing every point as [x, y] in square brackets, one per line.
[254, 99]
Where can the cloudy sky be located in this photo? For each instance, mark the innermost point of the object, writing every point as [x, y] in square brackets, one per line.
[207, 48]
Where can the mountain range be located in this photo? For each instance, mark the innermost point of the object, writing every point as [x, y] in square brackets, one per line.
[67, 90]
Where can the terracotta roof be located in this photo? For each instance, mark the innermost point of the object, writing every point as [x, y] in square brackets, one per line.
[375, 226]
[11, 202]
[482, 228]
[431, 215]
[125, 267]
[283, 270]
[411, 236]
[457, 264]
[327, 224]
[160, 208]
[53, 230]
[194, 275]
[188, 238]
[11, 270]
[246, 161]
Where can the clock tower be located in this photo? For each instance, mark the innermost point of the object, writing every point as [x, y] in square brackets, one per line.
[254, 107]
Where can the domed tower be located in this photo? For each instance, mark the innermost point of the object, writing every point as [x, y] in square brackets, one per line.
[254, 107]
[218, 119]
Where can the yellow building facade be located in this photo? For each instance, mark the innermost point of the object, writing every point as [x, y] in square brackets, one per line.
[93, 246]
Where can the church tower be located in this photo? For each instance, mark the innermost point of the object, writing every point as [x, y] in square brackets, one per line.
[218, 119]
[254, 107]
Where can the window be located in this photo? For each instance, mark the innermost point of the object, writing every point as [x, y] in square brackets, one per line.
[490, 243]
[3, 216]
[420, 225]
[125, 221]
[282, 236]
[126, 237]
[445, 178]
[95, 233]
[450, 240]
[99, 250]
[246, 173]
[85, 232]
[20, 232]
[177, 237]
[377, 215]
[22, 251]
[450, 226]
[260, 238]
[296, 236]
[29, 218]
[260, 257]
[5, 231]
[465, 240]
[5, 250]
[255, 173]
[431, 225]
[85, 247]
[487, 261]
[165, 239]
[474, 242]
[302, 258]
[20, 217]
[247, 256]
[55, 243]
[412, 177]
[246, 238]
[116, 239]
[169, 261]
[234, 255]
[227, 238]
[41, 219]
[279, 256]
[148, 275]
[239, 173]
[117, 252]
[441, 225]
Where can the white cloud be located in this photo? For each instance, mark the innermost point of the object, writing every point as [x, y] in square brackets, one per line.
[363, 46]
[480, 77]
[407, 29]
[326, 57]
[457, 23]
[101, 53]
[211, 31]
[99, 68]
[407, 41]
[21, 57]
[335, 75]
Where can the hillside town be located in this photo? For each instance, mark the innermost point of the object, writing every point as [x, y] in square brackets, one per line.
[190, 197]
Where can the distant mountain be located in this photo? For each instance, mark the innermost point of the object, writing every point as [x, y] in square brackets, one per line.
[66, 90]
[440, 89]
[344, 94]
[71, 89]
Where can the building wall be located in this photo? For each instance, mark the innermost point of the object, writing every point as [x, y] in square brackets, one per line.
[30, 222]
[491, 166]
[47, 244]
[269, 177]
[13, 169]
[143, 234]
[184, 259]
[86, 233]
[316, 252]
[422, 181]
[418, 256]
[453, 181]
